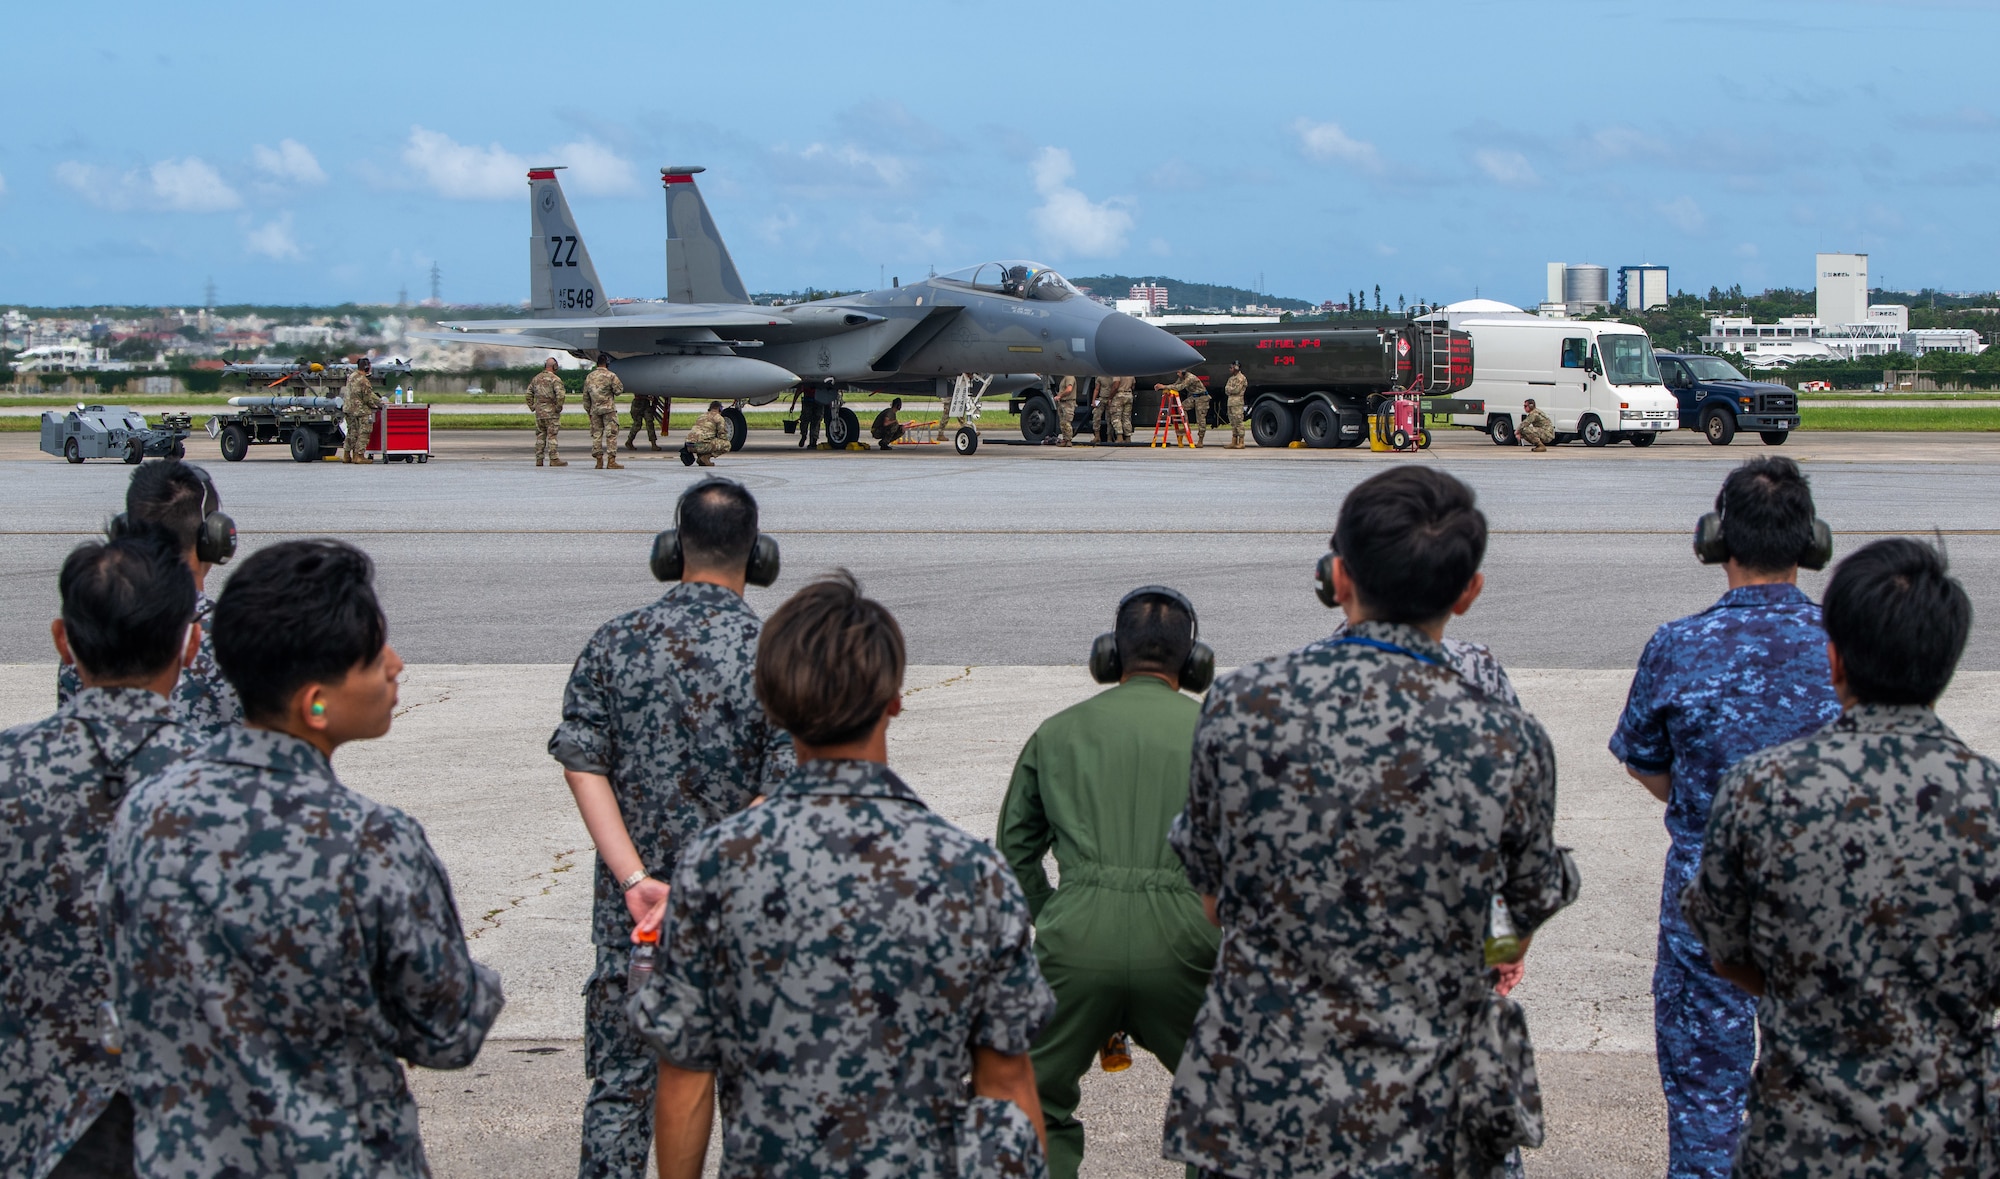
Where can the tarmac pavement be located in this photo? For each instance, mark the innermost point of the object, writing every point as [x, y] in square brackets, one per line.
[1001, 567]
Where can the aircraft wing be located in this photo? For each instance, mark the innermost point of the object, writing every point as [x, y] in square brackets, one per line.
[497, 339]
[665, 315]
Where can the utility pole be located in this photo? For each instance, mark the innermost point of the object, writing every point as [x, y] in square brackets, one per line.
[437, 299]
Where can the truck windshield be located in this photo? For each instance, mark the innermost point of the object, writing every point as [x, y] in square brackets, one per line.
[1628, 360]
[1712, 368]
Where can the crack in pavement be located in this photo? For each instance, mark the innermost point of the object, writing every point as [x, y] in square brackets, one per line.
[490, 920]
[407, 709]
[947, 682]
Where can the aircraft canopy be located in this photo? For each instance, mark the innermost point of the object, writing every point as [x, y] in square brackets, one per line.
[1021, 279]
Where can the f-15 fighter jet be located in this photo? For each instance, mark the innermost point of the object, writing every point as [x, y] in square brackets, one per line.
[709, 340]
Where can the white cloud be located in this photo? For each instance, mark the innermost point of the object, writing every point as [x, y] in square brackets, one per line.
[1510, 168]
[291, 161]
[1069, 221]
[467, 172]
[461, 171]
[191, 186]
[180, 186]
[273, 240]
[1684, 214]
[595, 169]
[1619, 142]
[1328, 143]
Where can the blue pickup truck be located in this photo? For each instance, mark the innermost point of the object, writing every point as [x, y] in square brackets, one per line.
[1717, 400]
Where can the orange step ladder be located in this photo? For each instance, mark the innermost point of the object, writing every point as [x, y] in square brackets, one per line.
[1171, 427]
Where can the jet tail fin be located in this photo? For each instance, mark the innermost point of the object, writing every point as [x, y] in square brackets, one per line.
[562, 283]
[699, 269]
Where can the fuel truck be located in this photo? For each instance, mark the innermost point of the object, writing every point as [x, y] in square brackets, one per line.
[1314, 382]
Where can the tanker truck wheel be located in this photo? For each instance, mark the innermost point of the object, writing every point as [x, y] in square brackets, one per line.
[1319, 425]
[1272, 423]
[739, 429]
[966, 441]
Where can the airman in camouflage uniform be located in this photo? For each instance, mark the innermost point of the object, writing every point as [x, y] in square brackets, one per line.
[61, 781]
[1337, 1034]
[1536, 428]
[601, 390]
[545, 400]
[904, 944]
[708, 437]
[1066, 409]
[1100, 409]
[358, 403]
[203, 701]
[646, 414]
[1234, 389]
[1121, 408]
[1857, 869]
[1474, 663]
[346, 955]
[660, 702]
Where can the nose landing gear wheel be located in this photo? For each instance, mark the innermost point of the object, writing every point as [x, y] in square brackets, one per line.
[966, 441]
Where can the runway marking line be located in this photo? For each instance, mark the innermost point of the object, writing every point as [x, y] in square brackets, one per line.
[1004, 532]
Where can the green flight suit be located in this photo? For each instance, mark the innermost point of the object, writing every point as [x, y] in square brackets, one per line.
[1123, 941]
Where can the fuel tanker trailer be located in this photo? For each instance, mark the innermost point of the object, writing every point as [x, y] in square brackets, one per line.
[1315, 383]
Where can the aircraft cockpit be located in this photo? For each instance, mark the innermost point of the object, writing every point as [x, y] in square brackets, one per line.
[1022, 280]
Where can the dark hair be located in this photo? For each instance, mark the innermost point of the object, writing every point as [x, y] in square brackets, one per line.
[718, 523]
[829, 661]
[363, 362]
[1411, 538]
[1899, 620]
[126, 603]
[296, 613]
[173, 495]
[1154, 634]
[1767, 514]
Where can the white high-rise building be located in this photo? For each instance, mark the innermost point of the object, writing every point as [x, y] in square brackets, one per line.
[1842, 287]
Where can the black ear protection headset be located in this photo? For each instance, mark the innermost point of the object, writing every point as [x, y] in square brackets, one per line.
[1712, 549]
[214, 538]
[1323, 579]
[1107, 665]
[669, 563]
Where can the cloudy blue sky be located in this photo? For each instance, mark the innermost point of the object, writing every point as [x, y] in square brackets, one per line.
[316, 153]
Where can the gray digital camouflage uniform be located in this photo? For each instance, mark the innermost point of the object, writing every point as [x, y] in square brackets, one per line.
[1354, 807]
[61, 780]
[833, 956]
[1858, 869]
[204, 701]
[661, 703]
[277, 942]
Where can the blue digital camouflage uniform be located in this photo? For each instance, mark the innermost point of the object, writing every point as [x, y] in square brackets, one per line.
[661, 703]
[833, 956]
[1858, 870]
[60, 783]
[1354, 807]
[277, 941]
[1748, 673]
[204, 701]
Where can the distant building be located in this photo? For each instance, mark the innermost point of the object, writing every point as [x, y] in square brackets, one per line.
[1642, 287]
[1581, 288]
[302, 333]
[1885, 329]
[1842, 286]
[1155, 296]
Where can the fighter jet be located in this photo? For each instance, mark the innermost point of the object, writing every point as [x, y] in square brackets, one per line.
[708, 340]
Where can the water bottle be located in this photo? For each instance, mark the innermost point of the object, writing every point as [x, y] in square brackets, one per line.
[645, 954]
[1502, 944]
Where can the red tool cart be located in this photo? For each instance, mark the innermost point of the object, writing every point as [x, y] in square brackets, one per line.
[402, 433]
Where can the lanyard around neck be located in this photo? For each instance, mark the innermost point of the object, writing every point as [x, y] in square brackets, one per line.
[1392, 648]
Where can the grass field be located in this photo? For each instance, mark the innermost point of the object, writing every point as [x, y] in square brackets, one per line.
[1893, 418]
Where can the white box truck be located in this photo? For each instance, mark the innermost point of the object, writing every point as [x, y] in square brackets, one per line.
[1597, 381]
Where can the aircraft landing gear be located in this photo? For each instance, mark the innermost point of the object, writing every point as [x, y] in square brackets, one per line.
[966, 441]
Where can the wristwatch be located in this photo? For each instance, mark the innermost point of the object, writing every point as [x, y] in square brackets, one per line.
[625, 885]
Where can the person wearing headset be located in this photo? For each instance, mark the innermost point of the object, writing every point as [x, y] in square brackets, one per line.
[1123, 940]
[1713, 688]
[1355, 808]
[181, 498]
[662, 735]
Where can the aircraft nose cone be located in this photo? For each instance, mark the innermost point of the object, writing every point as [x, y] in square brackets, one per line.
[1129, 348]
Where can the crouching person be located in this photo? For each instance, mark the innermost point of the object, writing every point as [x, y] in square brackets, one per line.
[837, 960]
[127, 630]
[278, 941]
